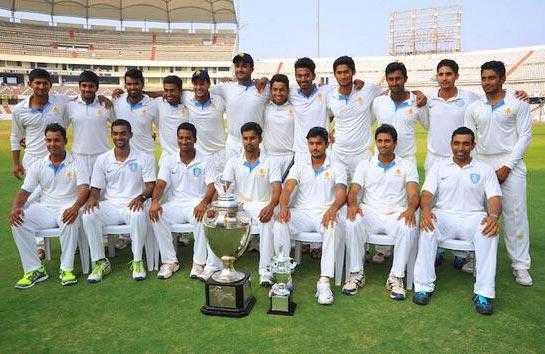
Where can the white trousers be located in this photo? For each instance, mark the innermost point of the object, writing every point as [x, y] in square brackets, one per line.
[109, 213]
[27, 161]
[349, 161]
[37, 217]
[281, 162]
[88, 160]
[514, 211]
[310, 221]
[462, 226]
[373, 222]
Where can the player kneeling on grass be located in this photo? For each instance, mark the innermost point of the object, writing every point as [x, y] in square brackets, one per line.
[390, 201]
[462, 188]
[127, 177]
[65, 187]
[190, 177]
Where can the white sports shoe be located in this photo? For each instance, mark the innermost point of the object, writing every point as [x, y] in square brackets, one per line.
[324, 293]
[206, 274]
[469, 267]
[167, 269]
[522, 276]
[354, 282]
[196, 270]
[396, 287]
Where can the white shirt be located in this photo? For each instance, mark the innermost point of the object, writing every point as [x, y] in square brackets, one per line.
[208, 120]
[503, 129]
[316, 188]
[462, 189]
[253, 182]
[170, 117]
[445, 117]
[186, 182]
[90, 126]
[385, 187]
[142, 116]
[310, 111]
[352, 118]
[243, 104]
[403, 118]
[30, 123]
[59, 184]
[278, 129]
[123, 181]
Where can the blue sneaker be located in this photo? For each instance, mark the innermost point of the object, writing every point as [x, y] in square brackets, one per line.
[422, 297]
[459, 262]
[482, 305]
[439, 258]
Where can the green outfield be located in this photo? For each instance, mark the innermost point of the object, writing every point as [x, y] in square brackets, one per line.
[121, 315]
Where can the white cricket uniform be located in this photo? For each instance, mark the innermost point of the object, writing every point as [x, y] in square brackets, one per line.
[170, 117]
[208, 120]
[120, 182]
[310, 111]
[278, 134]
[142, 116]
[403, 118]
[59, 190]
[243, 103]
[384, 199]
[353, 121]
[315, 194]
[503, 134]
[445, 116]
[188, 185]
[461, 194]
[90, 123]
[253, 187]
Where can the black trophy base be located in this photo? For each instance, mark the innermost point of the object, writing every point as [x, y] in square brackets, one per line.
[290, 311]
[281, 305]
[228, 299]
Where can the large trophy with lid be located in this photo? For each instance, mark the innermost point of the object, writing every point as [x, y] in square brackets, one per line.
[227, 228]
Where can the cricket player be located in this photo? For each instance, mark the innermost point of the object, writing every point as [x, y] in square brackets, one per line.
[64, 186]
[503, 127]
[390, 201]
[321, 192]
[127, 177]
[467, 206]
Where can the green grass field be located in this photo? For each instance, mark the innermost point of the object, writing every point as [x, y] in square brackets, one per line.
[121, 315]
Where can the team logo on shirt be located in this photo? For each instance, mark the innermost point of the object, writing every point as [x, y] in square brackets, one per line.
[197, 172]
[359, 100]
[320, 97]
[475, 178]
[508, 111]
[54, 109]
[99, 113]
[410, 112]
[133, 166]
[329, 174]
[460, 103]
[144, 112]
[213, 106]
[398, 172]
[262, 171]
[69, 174]
[290, 112]
[184, 111]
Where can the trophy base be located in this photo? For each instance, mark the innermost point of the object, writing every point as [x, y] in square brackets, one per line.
[228, 299]
[281, 305]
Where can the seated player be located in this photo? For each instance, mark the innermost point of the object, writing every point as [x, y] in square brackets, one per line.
[463, 189]
[390, 201]
[321, 192]
[64, 184]
[127, 177]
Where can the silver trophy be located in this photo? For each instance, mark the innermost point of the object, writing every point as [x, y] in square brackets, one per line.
[281, 302]
[227, 228]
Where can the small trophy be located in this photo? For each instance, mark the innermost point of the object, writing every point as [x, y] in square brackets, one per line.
[281, 302]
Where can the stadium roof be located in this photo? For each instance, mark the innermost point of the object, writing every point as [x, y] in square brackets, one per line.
[169, 11]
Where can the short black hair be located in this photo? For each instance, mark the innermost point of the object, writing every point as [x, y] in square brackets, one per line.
[253, 126]
[344, 60]
[318, 132]
[463, 131]
[134, 74]
[306, 63]
[396, 66]
[450, 63]
[280, 78]
[189, 127]
[497, 66]
[88, 76]
[387, 129]
[56, 127]
[39, 74]
[121, 122]
[173, 79]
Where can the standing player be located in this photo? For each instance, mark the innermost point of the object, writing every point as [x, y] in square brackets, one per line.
[279, 124]
[462, 187]
[390, 201]
[127, 177]
[206, 114]
[64, 186]
[321, 192]
[503, 126]
[190, 178]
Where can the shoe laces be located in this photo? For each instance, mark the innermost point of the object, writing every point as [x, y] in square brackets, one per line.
[479, 299]
[421, 294]
[137, 266]
[99, 268]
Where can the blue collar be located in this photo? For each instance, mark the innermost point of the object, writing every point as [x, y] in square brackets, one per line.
[312, 93]
[250, 166]
[247, 86]
[318, 171]
[401, 105]
[386, 167]
[39, 110]
[343, 97]
[203, 105]
[136, 105]
[56, 168]
[496, 106]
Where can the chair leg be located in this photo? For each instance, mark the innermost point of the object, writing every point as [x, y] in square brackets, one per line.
[47, 248]
[111, 246]
[84, 252]
[298, 252]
